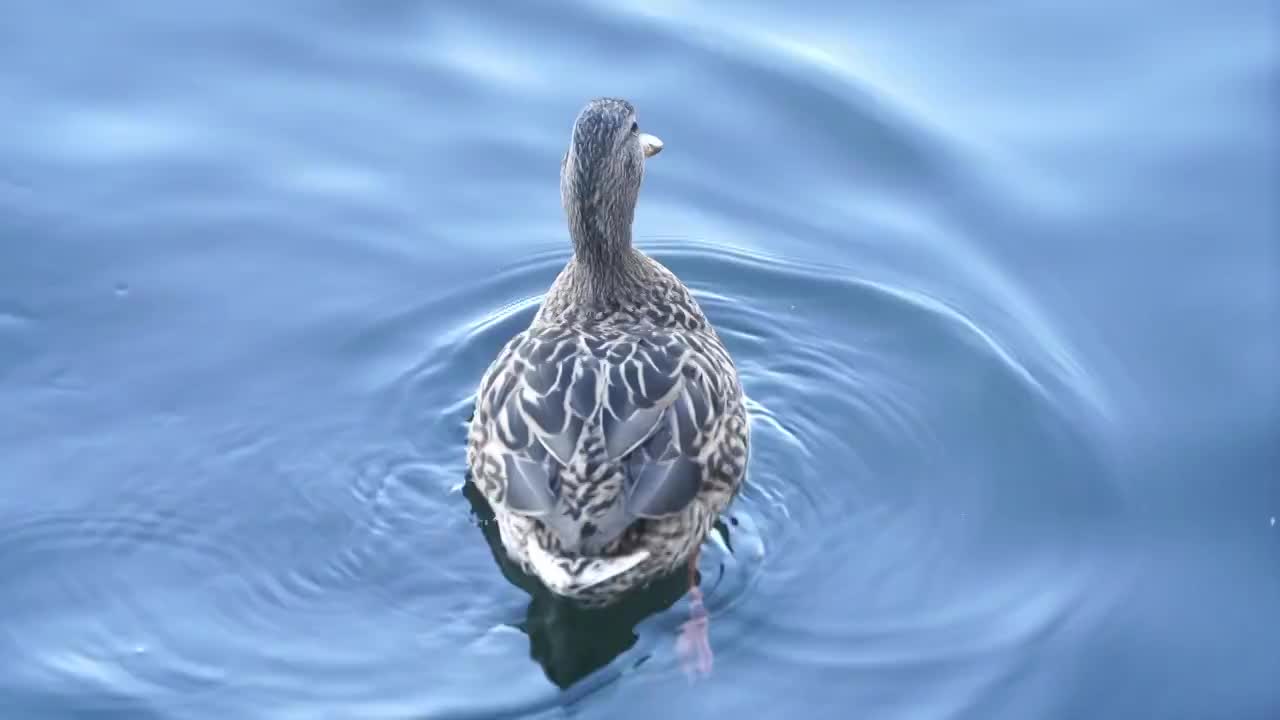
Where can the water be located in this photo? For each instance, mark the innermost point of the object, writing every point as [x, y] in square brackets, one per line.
[1002, 282]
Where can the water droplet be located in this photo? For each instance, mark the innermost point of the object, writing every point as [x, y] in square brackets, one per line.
[1273, 521]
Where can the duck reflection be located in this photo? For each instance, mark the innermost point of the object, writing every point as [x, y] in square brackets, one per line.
[567, 640]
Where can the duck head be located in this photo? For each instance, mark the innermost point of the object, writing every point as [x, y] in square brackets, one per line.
[600, 178]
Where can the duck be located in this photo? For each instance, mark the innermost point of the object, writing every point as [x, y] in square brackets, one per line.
[611, 433]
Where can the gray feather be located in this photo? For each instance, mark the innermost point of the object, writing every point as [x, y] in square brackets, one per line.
[528, 485]
[664, 487]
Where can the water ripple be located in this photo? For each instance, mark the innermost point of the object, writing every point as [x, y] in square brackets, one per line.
[235, 486]
[871, 455]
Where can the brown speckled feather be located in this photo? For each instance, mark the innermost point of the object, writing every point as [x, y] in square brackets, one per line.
[614, 426]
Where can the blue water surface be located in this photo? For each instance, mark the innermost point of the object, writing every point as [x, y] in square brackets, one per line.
[1001, 278]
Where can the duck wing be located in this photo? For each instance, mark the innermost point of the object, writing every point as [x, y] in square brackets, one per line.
[563, 403]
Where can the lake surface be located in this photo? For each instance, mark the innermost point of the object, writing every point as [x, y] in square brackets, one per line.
[1002, 281]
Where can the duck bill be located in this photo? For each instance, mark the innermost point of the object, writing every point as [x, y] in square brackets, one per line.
[651, 144]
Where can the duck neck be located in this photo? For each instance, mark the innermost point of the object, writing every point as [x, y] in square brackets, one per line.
[605, 260]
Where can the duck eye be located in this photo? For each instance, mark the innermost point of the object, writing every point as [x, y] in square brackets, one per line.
[635, 127]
